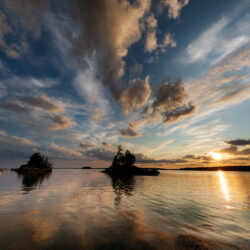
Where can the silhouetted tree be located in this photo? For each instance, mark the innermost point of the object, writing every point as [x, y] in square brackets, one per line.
[38, 161]
[129, 158]
[123, 160]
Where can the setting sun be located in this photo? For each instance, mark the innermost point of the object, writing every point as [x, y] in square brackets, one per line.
[216, 156]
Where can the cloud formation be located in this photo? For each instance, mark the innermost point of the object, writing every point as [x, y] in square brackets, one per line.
[217, 41]
[136, 95]
[60, 122]
[179, 113]
[170, 95]
[15, 105]
[110, 28]
[175, 7]
[233, 150]
[135, 69]
[239, 142]
[42, 102]
[16, 140]
[26, 104]
[167, 105]
[97, 115]
[225, 83]
[64, 152]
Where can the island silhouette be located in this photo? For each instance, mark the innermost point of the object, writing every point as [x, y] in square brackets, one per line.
[37, 163]
[123, 164]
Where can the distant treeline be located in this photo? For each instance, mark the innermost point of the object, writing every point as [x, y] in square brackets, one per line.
[226, 168]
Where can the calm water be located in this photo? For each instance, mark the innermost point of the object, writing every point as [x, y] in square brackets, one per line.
[86, 209]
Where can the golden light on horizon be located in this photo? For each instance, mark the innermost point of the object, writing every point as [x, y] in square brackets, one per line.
[216, 156]
[223, 185]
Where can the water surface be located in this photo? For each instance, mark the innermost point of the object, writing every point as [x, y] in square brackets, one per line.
[86, 209]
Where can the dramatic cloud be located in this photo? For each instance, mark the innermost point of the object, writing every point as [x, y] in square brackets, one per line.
[61, 122]
[132, 129]
[239, 142]
[107, 30]
[170, 95]
[168, 105]
[136, 95]
[179, 113]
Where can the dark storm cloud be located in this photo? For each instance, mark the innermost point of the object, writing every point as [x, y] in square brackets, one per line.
[239, 142]
[107, 30]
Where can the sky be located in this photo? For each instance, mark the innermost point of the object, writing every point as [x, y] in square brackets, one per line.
[169, 80]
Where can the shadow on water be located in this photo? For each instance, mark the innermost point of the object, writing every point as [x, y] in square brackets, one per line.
[122, 185]
[32, 180]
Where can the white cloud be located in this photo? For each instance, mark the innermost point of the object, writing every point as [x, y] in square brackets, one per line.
[151, 41]
[219, 39]
[174, 7]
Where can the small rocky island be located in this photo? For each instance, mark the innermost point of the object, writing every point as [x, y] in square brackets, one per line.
[123, 164]
[36, 163]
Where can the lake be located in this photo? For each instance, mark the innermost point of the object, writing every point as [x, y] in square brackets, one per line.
[86, 209]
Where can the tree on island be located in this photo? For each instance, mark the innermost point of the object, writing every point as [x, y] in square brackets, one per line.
[37, 161]
[121, 160]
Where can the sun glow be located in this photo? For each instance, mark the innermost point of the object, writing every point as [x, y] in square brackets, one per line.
[216, 156]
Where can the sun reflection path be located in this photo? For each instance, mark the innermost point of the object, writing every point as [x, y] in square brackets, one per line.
[223, 185]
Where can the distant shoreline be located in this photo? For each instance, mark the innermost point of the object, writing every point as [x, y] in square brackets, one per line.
[226, 168]
[222, 168]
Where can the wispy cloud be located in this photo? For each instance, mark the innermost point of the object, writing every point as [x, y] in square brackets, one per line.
[218, 40]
